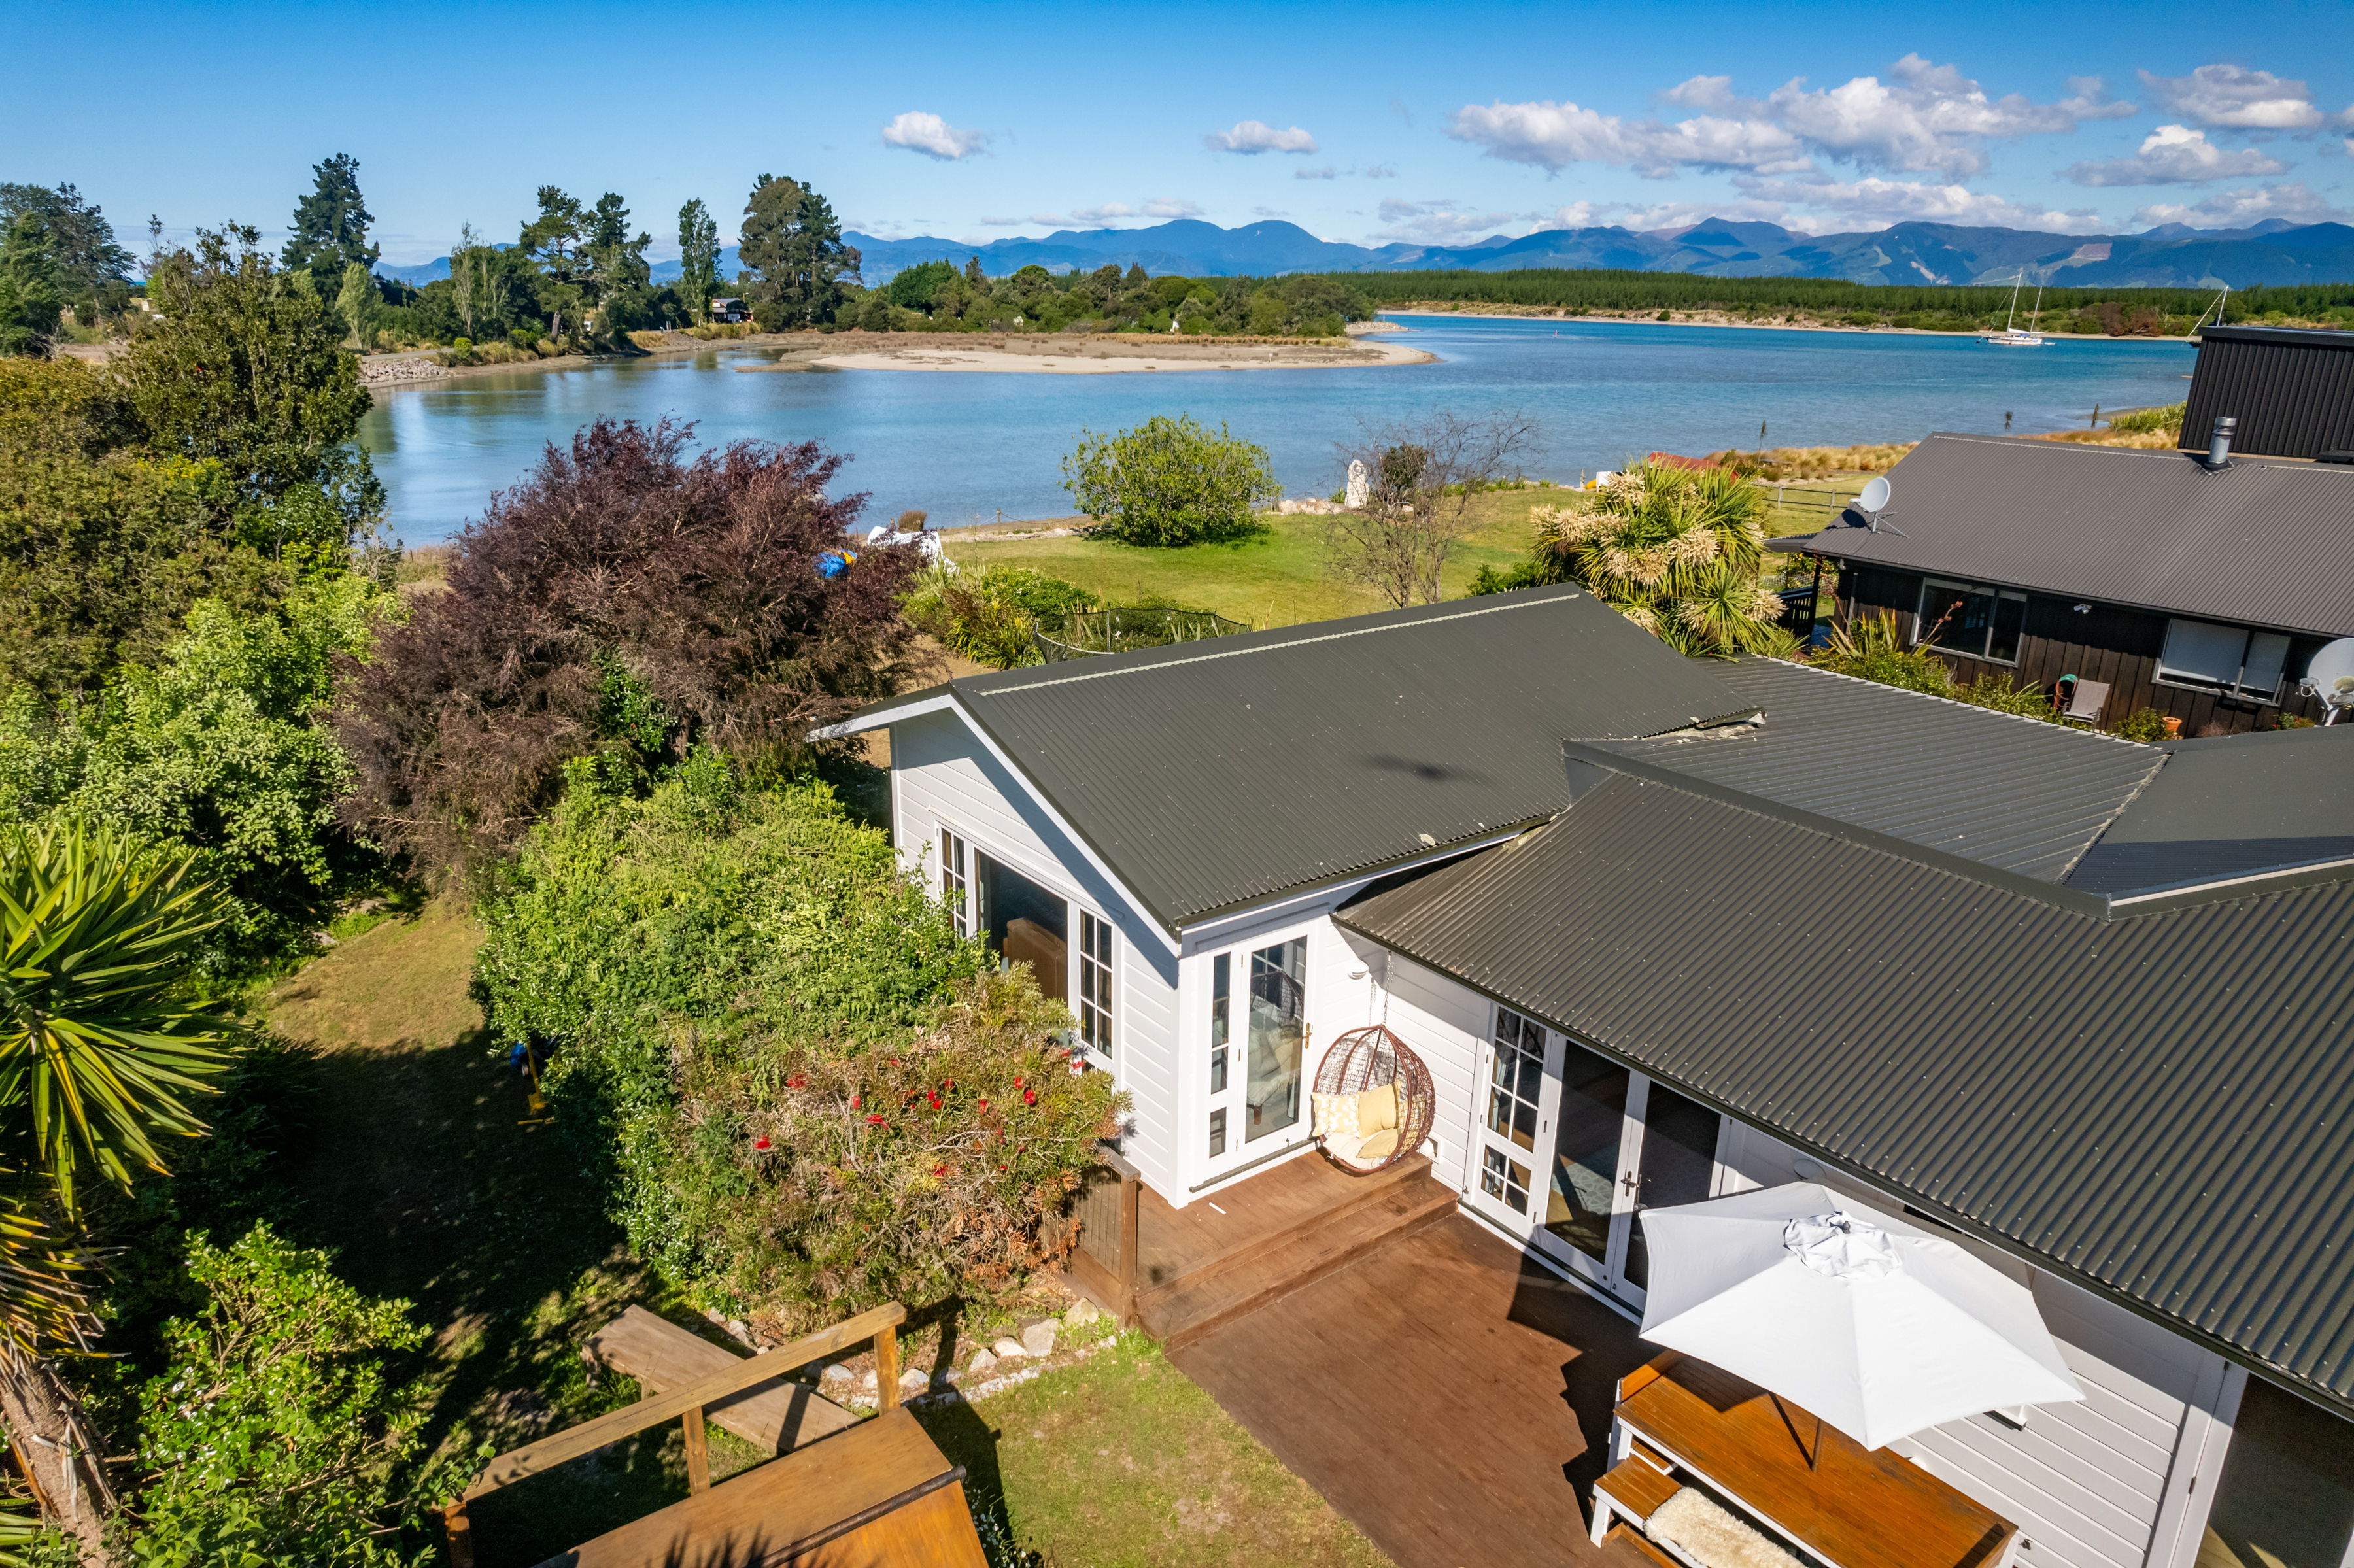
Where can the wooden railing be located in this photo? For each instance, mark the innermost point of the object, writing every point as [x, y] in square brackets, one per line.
[686, 1403]
[1107, 1206]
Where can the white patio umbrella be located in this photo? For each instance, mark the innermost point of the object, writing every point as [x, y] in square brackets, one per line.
[1877, 1328]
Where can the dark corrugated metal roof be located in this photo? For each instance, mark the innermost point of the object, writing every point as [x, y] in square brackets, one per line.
[2291, 390]
[2262, 543]
[2233, 806]
[1213, 775]
[1997, 788]
[2160, 1107]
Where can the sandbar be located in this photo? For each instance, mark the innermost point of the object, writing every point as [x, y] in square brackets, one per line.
[1112, 353]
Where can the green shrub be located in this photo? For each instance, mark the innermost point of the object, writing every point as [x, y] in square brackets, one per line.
[988, 615]
[1170, 481]
[2144, 725]
[1869, 648]
[271, 1436]
[718, 966]
[2165, 419]
[2000, 693]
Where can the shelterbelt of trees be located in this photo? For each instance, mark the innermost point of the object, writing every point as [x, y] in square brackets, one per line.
[2116, 313]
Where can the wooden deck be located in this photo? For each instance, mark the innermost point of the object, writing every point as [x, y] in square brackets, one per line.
[1449, 1396]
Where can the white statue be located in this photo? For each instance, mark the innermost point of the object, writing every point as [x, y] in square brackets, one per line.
[1357, 483]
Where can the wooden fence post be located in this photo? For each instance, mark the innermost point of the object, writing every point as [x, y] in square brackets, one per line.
[1132, 1192]
[887, 1369]
[698, 1451]
[459, 1533]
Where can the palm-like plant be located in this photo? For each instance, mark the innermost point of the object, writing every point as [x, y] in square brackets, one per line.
[100, 1055]
[1676, 552]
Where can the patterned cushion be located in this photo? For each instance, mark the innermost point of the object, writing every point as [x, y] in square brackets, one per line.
[1336, 1116]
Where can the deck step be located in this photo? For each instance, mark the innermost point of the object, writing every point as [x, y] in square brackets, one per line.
[1187, 1307]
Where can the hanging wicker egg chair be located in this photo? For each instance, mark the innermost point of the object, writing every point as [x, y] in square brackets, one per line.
[1369, 1073]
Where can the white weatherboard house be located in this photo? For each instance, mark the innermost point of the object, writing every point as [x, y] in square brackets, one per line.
[1664, 930]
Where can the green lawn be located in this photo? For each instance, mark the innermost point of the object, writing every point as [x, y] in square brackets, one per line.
[1281, 578]
[1123, 1462]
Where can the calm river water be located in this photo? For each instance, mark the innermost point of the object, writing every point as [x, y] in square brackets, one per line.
[970, 447]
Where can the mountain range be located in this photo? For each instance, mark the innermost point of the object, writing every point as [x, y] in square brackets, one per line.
[2171, 256]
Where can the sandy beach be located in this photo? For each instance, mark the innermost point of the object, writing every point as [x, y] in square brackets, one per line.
[1107, 355]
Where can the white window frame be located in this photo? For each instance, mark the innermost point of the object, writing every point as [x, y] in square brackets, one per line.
[2237, 686]
[956, 878]
[1098, 1010]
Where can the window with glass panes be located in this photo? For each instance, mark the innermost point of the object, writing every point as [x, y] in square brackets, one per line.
[1095, 984]
[953, 882]
[1515, 1079]
[1983, 622]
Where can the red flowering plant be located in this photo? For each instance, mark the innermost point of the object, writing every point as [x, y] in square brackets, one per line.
[827, 1179]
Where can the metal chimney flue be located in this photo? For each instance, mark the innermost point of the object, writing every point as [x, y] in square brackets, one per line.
[2219, 443]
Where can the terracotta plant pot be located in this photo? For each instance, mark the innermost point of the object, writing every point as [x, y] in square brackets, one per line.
[2173, 729]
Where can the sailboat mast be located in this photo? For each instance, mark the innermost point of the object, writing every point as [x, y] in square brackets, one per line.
[2013, 317]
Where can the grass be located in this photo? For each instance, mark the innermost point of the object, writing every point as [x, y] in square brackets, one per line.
[1281, 578]
[1122, 1461]
[423, 1169]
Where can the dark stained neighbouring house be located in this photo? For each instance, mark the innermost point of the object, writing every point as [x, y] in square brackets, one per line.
[2199, 592]
[2290, 390]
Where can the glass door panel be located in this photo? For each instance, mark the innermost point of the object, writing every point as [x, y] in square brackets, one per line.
[1588, 1131]
[1675, 1162]
[1516, 1063]
[1279, 1020]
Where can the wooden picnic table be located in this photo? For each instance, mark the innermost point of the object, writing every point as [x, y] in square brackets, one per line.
[1857, 1508]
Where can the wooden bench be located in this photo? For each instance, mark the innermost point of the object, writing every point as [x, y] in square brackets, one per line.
[876, 1493]
[1623, 1547]
[661, 1356]
[1632, 1491]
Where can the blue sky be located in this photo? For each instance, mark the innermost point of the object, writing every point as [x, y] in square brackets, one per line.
[1359, 122]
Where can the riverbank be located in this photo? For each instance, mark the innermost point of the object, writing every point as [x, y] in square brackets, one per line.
[1051, 354]
[1722, 319]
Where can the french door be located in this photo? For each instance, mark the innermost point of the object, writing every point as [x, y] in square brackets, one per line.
[1257, 1063]
[1570, 1146]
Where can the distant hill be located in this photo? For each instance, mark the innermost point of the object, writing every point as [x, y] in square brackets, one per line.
[2173, 256]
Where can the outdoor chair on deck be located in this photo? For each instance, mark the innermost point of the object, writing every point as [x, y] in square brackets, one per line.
[2081, 701]
[1374, 1101]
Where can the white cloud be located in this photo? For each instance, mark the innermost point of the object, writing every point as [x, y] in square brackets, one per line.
[2175, 155]
[1117, 211]
[1652, 216]
[1251, 136]
[1554, 135]
[1390, 172]
[1927, 118]
[1924, 117]
[1326, 173]
[1268, 212]
[2249, 205]
[933, 136]
[1014, 222]
[1399, 108]
[2092, 101]
[1877, 203]
[2236, 98]
[1438, 222]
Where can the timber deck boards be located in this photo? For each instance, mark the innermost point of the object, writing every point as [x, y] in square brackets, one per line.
[1447, 1396]
[884, 1478]
[662, 1356]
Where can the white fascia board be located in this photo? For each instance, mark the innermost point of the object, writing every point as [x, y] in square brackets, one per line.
[883, 718]
[1201, 934]
[1054, 814]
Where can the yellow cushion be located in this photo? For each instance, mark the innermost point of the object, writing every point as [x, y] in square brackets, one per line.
[1380, 1146]
[1336, 1114]
[1378, 1109]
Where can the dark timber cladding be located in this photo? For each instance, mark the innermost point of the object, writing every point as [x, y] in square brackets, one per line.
[2291, 390]
[2160, 1107]
[1213, 774]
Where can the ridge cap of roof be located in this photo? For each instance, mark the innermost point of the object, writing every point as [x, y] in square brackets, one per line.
[973, 683]
[1953, 702]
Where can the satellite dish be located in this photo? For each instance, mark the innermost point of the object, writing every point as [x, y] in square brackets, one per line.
[2330, 678]
[1874, 497]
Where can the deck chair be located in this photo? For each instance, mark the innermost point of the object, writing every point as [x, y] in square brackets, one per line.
[2081, 701]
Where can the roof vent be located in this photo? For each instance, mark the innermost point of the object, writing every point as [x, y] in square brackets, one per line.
[2219, 444]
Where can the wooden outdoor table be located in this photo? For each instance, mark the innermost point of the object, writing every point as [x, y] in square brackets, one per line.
[1858, 1509]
